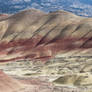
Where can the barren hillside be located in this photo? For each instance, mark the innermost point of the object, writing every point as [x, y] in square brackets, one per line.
[36, 35]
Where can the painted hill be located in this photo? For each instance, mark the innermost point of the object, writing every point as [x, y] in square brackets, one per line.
[8, 84]
[34, 34]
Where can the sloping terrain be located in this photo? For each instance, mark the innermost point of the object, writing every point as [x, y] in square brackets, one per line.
[61, 39]
[8, 84]
[36, 35]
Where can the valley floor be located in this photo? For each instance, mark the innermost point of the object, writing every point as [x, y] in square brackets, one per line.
[57, 75]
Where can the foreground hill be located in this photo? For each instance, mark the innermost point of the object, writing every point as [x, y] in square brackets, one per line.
[36, 35]
[8, 84]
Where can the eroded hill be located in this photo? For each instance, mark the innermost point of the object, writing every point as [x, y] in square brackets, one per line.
[36, 35]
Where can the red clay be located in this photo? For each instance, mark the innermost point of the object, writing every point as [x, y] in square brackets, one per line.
[44, 50]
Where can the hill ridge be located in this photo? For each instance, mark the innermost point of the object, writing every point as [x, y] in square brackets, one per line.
[37, 35]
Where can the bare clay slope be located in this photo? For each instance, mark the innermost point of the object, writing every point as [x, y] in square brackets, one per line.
[36, 35]
[8, 84]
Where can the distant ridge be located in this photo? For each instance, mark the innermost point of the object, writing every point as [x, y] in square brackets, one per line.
[35, 35]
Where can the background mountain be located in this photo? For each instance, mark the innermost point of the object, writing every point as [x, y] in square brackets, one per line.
[38, 35]
[79, 7]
